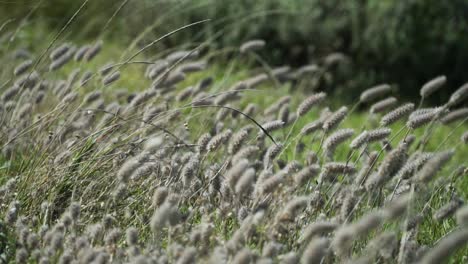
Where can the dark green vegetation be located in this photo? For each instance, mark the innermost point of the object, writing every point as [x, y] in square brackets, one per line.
[146, 151]
[399, 42]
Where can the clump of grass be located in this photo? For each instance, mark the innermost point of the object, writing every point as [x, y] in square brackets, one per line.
[171, 170]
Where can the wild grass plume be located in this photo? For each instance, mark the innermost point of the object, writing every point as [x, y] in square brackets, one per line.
[197, 153]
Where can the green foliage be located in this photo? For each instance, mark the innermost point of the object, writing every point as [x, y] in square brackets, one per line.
[404, 42]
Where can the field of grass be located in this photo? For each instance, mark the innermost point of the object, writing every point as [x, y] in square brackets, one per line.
[215, 166]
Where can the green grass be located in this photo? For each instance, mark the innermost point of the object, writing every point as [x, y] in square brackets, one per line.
[90, 174]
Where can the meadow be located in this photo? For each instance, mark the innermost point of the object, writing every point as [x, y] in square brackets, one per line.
[195, 154]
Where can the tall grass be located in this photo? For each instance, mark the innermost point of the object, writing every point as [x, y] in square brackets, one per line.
[195, 161]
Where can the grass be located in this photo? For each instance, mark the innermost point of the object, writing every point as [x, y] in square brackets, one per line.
[95, 155]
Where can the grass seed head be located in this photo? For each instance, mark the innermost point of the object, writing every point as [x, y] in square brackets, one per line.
[335, 119]
[310, 102]
[23, 67]
[458, 96]
[374, 92]
[383, 105]
[397, 114]
[252, 45]
[432, 86]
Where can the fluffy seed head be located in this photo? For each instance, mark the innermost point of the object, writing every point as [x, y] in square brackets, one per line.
[412, 165]
[335, 119]
[334, 58]
[422, 119]
[127, 169]
[367, 137]
[458, 96]
[317, 229]
[182, 54]
[316, 250]
[462, 216]
[432, 86]
[157, 68]
[27, 80]
[70, 98]
[24, 111]
[332, 142]
[141, 98]
[250, 109]
[270, 184]
[271, 154]
[383, 105]
[10, 93]
[453, 116]
[305, 174]
[132, 236]
[290, 258]
[397, 114]
[331, 169]
[109, 79]
[368, 222]
[216, 141]
[252, 45]
[203, 141]
[397, 207]
[244, 153]
[383, 244]
[306, 69]
[270, 127]
[378, 134]
[189, 170]
[171, 79]
[159, 196]
[390, 165]
[293, 208]
[62, 60]
[235, 172]
[92, 97]
[191, 67]
[75, 210]
[113, 236]
[243, 256]
[283, 113]
[237, 140]
[312, 127]
[21, 255]
[281, 73]
[188, 256]
[430, 169]
[375, 92]
[93, 51]
[85, 78]
[256, 80]
[166, 214]
[23, 67]
[309, 102]
[59, 51]
[271, 249]
[448, 209]
[107, 68]
[81, 52]
[349, 202]
[245, 183]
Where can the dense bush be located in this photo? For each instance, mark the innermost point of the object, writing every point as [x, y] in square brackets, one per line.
[404, 42]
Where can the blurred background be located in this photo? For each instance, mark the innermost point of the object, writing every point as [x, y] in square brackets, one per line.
[404, 43]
